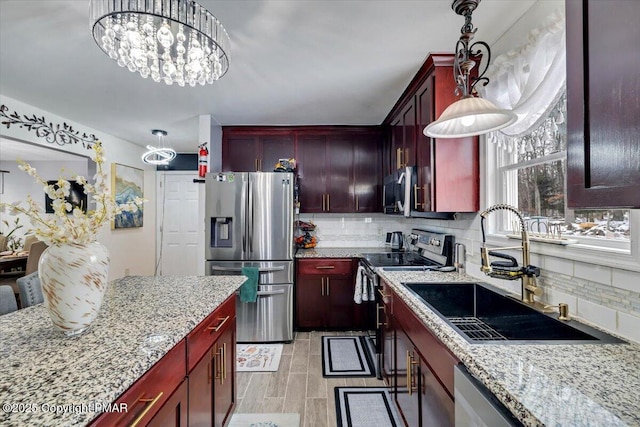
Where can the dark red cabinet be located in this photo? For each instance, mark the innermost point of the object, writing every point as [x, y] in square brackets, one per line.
[324, 294]
[174, 412]
[248, 149]
[448, 170]
[603, 103]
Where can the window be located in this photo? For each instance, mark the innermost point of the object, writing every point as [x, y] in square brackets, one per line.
[531, 176]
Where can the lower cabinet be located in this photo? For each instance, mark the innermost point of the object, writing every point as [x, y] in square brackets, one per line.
[422, 370]
[324, 294]
[193, 384]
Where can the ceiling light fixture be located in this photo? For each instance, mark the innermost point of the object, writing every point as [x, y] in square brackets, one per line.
[470, 115]
[177, 41]
[161, 155]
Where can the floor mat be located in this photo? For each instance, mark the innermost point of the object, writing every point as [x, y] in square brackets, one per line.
[366, 407]
[346, 356]
[264, 420]
[258, 357]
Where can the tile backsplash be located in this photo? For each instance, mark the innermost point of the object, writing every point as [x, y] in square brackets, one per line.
[605, 296]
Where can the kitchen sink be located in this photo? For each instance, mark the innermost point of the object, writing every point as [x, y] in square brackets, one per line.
[484, 314]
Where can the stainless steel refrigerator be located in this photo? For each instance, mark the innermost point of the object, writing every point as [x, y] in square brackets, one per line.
[249, 223]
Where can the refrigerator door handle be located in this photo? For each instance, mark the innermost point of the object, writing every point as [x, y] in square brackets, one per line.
[243, 218]
[250, 220]
[236, 269]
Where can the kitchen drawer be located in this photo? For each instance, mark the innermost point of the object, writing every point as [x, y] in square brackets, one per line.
[207, 332]
[326, 266]
[150, 392]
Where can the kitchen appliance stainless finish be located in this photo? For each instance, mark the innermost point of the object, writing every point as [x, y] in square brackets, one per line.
[396, 240]
[426, 250]
[249, 223]
[476, 406]
[398, 197]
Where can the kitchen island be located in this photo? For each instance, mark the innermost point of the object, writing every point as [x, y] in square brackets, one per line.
[542, 385]
[49, 379]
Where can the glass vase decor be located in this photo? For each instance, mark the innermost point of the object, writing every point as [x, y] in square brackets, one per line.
[74, 280]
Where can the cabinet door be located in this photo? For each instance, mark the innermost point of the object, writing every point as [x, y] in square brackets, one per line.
[224, 390]
[312, 173]
[436, 406]
[397, 144]
[310, 301]
[340, 191]
[603, 104]
[201, 391]
[406, 379]
[409, 131]
[340, 306]
[240, 153]
[174, 412]
[274, 148]
[387, 338]
[424, 163]
[367, 163]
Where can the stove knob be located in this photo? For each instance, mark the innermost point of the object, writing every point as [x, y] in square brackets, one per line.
[435, 242]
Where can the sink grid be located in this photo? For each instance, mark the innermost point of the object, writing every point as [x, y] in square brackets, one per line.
[476, 329]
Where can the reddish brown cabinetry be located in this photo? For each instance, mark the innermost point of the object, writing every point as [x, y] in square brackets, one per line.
[324, 294]
[193, 383]
[447, 169]
[422, 368]
[603, 104]
[248, 149]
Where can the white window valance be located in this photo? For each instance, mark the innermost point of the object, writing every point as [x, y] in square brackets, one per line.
[530, 80]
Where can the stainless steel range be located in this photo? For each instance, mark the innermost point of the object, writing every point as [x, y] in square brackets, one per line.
[427, 250]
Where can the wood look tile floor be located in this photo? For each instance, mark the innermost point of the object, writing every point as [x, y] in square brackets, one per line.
[298, 385]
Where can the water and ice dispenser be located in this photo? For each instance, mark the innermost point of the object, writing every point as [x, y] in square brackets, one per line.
[222, 232]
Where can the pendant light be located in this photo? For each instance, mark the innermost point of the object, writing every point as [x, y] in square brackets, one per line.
[470, 115]
[162, 154]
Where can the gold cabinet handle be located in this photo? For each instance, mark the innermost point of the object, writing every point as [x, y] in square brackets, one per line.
[398, 158]
[323, 202]
[328, 286]
[378, 324]
[325, 267]
[328, 202]
[382, 294]
[219, 363]
[224, 361]
[219, 325]
[322, 286]
[147, 409]
[357, 204]
[410, 363]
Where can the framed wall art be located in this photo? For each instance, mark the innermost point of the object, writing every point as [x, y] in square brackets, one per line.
[127, 183]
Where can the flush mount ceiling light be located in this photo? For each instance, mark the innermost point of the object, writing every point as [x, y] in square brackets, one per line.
[160, 155]
[175, 41]
[470, 115]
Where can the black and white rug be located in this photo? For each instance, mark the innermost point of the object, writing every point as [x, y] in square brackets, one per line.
[366, 407]
[346, 356]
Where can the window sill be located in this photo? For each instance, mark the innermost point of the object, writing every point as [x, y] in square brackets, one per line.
[609, 257]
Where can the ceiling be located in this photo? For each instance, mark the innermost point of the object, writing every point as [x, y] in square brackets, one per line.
[292, 62]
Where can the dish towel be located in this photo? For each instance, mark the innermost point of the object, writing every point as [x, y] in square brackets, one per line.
[360, 279]
[249, 289]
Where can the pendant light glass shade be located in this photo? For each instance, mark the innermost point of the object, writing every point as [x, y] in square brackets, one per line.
[469, 116]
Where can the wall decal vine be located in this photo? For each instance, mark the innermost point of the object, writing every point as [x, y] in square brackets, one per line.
[58, 134]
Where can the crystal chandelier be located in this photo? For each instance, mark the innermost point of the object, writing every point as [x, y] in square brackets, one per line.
[470, 115]
[175, 41]
[160, 155]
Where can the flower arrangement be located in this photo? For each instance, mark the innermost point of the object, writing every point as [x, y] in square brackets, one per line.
[68, 224]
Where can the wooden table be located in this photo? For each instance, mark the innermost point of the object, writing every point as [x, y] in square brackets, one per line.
[8, 262]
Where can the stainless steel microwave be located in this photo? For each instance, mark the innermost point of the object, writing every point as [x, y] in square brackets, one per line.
[397, 197]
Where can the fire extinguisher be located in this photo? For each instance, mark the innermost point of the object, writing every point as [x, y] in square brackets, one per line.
[202, 159]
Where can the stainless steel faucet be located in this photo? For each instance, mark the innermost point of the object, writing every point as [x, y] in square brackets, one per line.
[509, 269]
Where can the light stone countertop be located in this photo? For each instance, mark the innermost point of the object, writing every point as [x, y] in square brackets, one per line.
[337, 252]
[542, 385]
[41, 368]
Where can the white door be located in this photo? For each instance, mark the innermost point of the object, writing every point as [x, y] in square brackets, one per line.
[178, 226]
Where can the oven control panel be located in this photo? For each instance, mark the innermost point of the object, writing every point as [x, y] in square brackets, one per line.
[434, 245]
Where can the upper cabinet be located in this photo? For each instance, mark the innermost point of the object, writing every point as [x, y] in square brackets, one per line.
[339, 167]
[252, 149]
[603, 103]
[448, 174]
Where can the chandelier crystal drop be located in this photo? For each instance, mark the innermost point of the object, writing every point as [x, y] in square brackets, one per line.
[160, 155]
[470, 115]
[175, 41]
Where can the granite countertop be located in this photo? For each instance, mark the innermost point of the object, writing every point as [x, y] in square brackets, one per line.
[43, 370]
[552, 385]
[337, 252]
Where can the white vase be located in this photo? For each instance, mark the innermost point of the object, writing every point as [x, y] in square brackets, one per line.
[74, 279]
